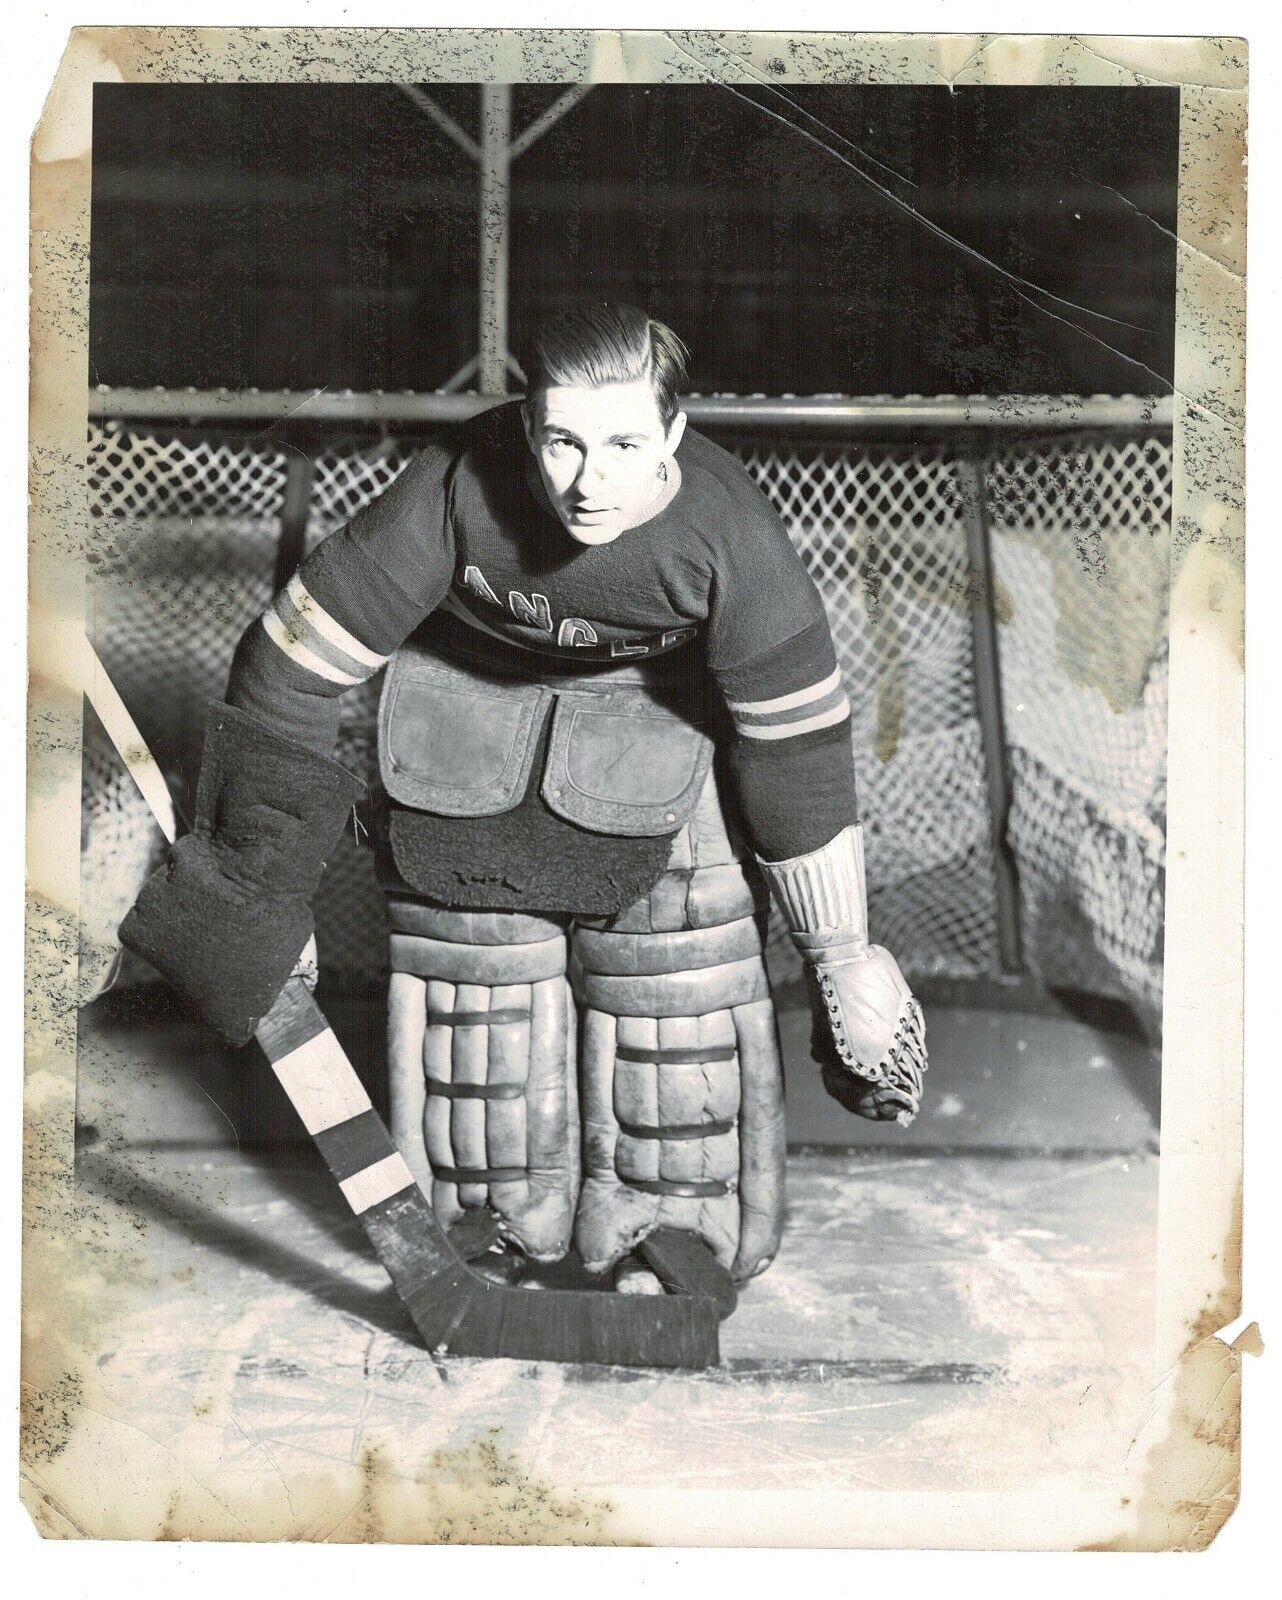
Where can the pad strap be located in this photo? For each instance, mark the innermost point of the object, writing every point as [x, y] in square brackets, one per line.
[477, 1019]
[705, 1190]
[475, 1091]
[692, 1056]
[478, 1174]
[676, 1130]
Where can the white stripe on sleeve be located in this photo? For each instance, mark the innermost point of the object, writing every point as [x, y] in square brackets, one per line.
[789, 730]
[787, 702]
[308, 606]
[298, 652]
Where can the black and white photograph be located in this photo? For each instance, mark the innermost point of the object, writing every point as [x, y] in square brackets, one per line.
[615, 653]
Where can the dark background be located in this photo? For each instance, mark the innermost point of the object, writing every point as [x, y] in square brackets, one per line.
[295, 236]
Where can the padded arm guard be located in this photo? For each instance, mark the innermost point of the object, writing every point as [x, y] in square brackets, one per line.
[225, 917]
[869, 1036]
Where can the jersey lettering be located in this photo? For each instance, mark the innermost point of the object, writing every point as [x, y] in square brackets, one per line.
[574, 631]
[533, 610]
[474, 579]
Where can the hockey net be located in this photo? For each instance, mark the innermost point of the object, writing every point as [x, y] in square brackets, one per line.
[187, 527]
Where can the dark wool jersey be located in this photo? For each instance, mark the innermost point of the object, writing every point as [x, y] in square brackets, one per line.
[466, 528]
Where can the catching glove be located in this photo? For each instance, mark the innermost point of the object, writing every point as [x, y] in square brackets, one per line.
[868, 1035]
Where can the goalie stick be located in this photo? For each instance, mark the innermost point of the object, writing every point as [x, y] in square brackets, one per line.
[454, 1308]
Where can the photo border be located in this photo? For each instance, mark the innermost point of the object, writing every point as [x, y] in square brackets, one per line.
[1186, 1451]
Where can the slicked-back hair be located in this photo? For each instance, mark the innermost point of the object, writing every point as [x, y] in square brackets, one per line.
[607, 342]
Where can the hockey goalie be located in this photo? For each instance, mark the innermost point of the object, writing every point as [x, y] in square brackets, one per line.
[612, 726]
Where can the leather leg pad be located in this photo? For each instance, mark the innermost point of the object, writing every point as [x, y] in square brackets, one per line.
[682, 1089]
[484, 1100]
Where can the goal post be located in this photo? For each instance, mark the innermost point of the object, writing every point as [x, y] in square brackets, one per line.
[995, 570]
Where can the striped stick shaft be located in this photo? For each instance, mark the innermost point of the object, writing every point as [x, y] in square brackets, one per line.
[131, 747]
[332, 1103]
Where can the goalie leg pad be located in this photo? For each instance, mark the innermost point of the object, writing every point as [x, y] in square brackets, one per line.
[484, 1104]
[683, 1124]
[681, 1073]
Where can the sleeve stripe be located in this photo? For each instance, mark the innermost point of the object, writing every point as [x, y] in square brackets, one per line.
[836, 713]
[788, 718]
[299, 653]
[787, 702]
[300, 629]
[301, 625]
[311, 610]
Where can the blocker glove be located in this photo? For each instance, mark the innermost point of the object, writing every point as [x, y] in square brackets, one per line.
[868, 1033]
[227, 915]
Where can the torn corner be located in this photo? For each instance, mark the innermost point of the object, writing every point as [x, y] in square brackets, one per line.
[1249, 1342]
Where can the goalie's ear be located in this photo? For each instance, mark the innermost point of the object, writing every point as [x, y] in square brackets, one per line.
[676, 432]
[527, 422]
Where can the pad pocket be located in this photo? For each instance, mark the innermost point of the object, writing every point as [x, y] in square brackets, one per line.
[452, 743]
[618, 763]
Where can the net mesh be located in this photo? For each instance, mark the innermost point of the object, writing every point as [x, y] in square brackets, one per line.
[1081, 557]
[186, 534]
[882, 532]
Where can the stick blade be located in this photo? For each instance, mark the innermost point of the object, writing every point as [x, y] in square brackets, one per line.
[684, 1265]
[457, 1311]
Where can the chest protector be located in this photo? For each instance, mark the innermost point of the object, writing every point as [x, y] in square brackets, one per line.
[462, 719]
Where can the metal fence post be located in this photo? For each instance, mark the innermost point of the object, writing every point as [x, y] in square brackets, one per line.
[294, 507]
[988, 697]
[496, 127]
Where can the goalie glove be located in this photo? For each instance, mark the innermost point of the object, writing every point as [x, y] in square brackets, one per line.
[868, 1034]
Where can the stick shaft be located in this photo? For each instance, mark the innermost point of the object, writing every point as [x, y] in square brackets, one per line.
[130, 745]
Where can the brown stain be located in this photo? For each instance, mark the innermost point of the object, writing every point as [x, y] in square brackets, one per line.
[1200, 1455]
[477, 1493]
[886, 588]
[69, 1297]
[47, 1417]
[376, 1475]
[1212, 597]
[1192, 1477]
[68, 1300]
[1250, 1342]
[1109, 591]
[890, 710]
[1215, 212]
[1210, 368]
[501, 1503]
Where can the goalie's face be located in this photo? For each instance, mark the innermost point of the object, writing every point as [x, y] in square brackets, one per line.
[603, 454]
